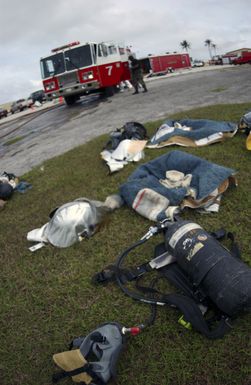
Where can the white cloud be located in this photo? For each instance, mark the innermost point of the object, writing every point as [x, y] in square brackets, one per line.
[31, 29]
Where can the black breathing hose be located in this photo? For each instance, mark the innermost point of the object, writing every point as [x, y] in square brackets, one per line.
[133, 294]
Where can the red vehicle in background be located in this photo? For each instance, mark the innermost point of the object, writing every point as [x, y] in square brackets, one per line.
[77, 69]
[161, 64]
[244, 58]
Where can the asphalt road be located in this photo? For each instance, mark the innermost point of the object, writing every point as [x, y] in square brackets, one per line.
[27, 141]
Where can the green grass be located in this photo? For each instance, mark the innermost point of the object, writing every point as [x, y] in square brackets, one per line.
[219, 89]
[14, 140]
[47, 297]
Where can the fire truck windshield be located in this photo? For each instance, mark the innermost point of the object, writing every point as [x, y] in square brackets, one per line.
[52, 65]
[78, 57]
[69, 60]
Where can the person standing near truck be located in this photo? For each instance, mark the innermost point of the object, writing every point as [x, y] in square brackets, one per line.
[136, 74]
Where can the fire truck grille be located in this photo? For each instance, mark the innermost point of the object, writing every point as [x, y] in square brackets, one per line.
[69, 79]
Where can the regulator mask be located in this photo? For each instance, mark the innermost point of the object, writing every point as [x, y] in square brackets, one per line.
[94, 358]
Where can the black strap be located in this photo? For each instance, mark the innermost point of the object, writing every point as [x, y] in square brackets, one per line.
[63, 374]
[126, 275]
[188, 304]
[106, 275]
[176, 276]
[234, 249]
[219, 234]
[149, 290]
[86, 368]
[193, 314]
[180, 280]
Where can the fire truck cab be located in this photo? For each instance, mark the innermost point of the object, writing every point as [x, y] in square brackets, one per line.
[77, 69]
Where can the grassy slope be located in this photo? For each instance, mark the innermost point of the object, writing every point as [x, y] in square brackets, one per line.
[47, 297]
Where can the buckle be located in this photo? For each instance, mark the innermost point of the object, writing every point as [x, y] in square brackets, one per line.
[103, 276]
[227, 322]
[184, 323]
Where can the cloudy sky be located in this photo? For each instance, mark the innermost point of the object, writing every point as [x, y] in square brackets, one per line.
[30, 29]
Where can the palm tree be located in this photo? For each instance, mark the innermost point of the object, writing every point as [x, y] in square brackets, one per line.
[214, 47]
[209, 43]
[185, 45]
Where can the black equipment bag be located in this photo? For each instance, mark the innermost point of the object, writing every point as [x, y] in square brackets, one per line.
[130, 130]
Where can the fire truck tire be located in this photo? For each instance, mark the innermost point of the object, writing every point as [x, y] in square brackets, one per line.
[116, 89]
[70, 100]
[109, 91]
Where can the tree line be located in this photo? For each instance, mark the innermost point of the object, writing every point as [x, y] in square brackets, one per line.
[208, 43]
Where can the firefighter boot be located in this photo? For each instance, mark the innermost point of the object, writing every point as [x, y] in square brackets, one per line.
[145, 89]
[136, 90]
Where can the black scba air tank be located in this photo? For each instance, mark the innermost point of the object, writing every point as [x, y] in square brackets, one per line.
[223, 277]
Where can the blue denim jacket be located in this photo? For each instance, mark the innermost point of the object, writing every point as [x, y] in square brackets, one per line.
[206, 177]
[201, 128]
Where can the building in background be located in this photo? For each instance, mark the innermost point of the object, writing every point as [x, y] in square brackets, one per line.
[230, 56]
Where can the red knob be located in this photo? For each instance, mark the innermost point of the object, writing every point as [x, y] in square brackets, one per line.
[135, 330]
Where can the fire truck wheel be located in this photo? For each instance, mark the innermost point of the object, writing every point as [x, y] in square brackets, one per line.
[70, 100]
[116, 89]
[109, 91]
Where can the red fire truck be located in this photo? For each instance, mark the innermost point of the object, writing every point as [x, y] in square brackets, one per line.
[77, 69]
[160, 64]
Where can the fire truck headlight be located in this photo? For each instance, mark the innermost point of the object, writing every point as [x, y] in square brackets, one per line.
[50, 86]
[87, 75]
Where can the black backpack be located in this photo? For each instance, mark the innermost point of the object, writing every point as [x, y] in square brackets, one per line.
[131, 130]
